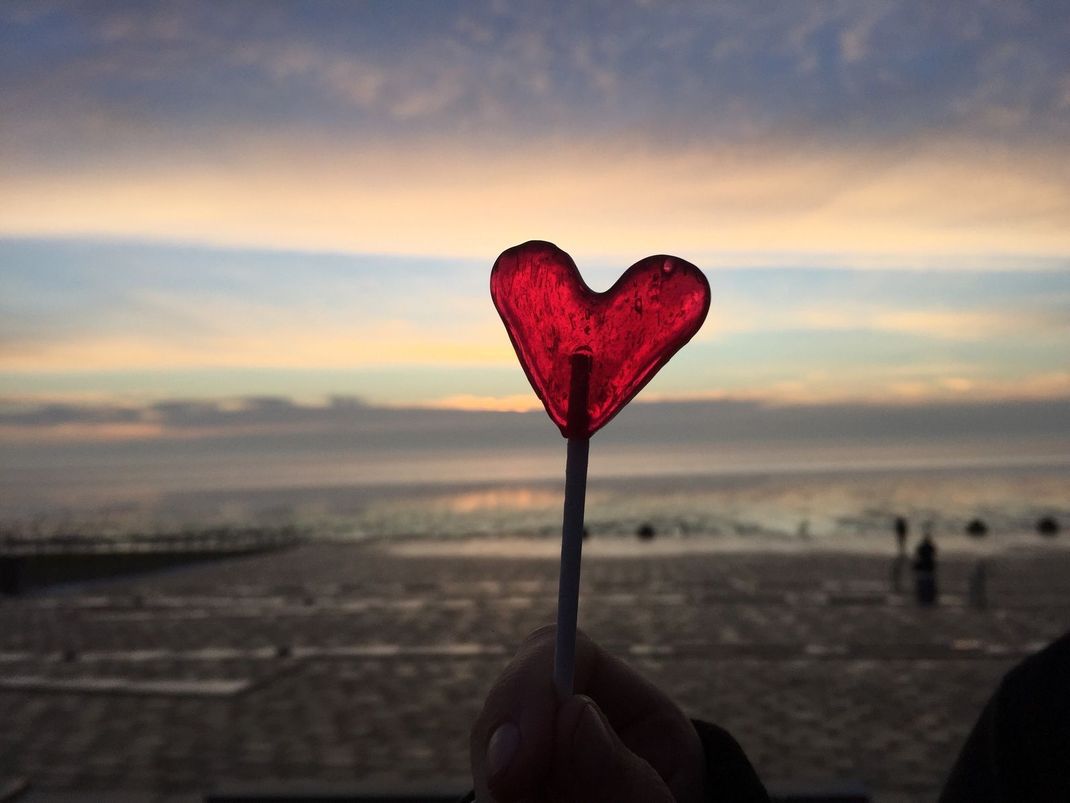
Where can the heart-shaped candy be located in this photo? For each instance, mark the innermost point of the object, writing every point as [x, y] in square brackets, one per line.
[629, 331]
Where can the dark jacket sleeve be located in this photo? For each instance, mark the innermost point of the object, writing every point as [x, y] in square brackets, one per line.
[1019, 750]
[729, 775]
[730, 778]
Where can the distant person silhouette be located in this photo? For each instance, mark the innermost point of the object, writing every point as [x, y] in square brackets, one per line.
[901, 530]
[900, 561]
[925, 571]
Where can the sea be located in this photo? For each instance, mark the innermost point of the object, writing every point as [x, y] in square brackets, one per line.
[799, 504]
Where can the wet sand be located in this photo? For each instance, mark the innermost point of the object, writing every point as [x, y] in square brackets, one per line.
[348, 665]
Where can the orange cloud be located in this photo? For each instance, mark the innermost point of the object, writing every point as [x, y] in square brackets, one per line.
[259, 347]
[81, 432]
[516, 403]
[945, 324]
[940, 199]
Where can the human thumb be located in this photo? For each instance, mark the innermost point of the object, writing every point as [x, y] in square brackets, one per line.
[593, 765]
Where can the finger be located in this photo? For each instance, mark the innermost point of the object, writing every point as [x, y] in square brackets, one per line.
[512, 738]
[593, 765]
[645, 719]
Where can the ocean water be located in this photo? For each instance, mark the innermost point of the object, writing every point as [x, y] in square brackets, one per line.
[804, 508]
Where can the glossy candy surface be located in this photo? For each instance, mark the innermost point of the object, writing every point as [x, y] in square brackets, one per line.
[630, 331]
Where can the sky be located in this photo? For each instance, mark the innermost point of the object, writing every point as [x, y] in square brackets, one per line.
[243, 204]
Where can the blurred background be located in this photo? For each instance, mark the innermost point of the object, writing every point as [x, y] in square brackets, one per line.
[244, 313]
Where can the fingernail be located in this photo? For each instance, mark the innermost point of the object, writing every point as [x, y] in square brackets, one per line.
[501, 748]
[590, 731]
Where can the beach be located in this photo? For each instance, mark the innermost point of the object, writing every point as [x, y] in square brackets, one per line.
[342, 665]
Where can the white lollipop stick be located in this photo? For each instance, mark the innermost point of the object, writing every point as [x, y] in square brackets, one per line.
[568, 589]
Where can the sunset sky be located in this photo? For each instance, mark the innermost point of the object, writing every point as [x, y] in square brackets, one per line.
[224, 200]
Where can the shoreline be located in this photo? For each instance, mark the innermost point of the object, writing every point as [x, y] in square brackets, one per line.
[630, 546]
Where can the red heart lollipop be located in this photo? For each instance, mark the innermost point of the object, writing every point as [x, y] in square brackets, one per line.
[630, 331]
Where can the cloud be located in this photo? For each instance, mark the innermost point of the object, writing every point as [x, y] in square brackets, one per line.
[58, 414]
[516, 403]
[698, 70]
[348, 423]
[937, 200]
[255, 419]
[931, 323]
[858, 128]
[296, 345]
